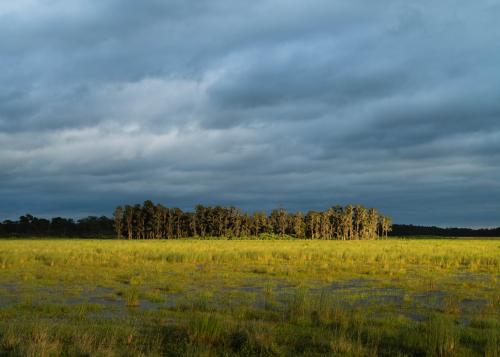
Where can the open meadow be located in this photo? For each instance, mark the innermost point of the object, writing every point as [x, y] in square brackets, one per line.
[245, 297]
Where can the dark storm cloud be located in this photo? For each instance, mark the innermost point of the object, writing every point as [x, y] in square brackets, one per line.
[253, 103]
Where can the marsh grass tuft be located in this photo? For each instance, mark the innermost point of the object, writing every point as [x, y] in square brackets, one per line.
[154, 295]
[297, 306]
[269, 302]
[451, 305]
[441, 337]
[131, 297]
[205, 329]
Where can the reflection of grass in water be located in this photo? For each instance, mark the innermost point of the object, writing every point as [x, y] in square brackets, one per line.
[249, 297]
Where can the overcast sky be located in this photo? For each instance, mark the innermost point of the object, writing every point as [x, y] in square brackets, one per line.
[305, 104]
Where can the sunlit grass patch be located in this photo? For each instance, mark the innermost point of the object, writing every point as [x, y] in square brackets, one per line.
[395, 297]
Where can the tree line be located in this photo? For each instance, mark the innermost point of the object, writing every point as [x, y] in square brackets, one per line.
[155, 221]
[104, 227]
[411, 230]
[31, 226]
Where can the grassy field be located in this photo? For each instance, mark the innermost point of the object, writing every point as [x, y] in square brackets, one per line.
[189, 297]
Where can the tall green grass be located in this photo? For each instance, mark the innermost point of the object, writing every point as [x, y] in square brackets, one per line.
[268, 298]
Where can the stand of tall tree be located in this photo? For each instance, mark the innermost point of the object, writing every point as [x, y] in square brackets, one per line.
[150, 221]
[208, 222]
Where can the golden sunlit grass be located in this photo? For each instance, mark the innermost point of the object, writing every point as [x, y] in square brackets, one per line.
[246, 297]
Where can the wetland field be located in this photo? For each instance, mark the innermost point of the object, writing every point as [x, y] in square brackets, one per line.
[396, 297]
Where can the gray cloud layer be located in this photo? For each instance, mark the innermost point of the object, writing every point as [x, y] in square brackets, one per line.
[251, 103]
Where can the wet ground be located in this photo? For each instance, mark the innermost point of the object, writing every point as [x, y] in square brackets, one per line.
[258, 293]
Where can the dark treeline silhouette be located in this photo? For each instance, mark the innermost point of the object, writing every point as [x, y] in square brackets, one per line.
[411, 230]
[30, 226]
[150, 221]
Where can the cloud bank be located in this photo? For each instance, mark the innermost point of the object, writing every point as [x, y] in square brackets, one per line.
[254, 103]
